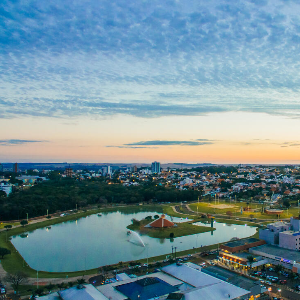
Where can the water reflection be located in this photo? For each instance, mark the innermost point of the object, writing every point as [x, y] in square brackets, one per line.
[94, 242]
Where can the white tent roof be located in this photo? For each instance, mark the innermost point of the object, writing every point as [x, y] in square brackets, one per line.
[89, 292]
[190, 275]
[220, 291]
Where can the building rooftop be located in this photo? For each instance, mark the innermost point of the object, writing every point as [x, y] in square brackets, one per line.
[87, 292]
[231, 277]
[291, 232]
[146, 288]
[190, 275]
[220, 291]
[278, 252]
[242, 242]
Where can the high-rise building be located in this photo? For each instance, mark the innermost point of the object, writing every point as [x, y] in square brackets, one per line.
[155, 167]
[15, 168]
[1, 168]
[69, 172]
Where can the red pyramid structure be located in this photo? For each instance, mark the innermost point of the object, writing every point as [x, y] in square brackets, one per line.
[162, 222]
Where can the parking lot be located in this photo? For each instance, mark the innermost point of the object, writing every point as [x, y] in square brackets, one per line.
[282, 279]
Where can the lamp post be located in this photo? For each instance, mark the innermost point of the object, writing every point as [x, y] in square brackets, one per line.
[27, 217]
[37, 279]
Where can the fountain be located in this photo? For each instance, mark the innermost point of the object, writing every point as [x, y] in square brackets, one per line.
[135, 238]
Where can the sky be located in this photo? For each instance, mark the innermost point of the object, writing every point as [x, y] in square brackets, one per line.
[136, 81]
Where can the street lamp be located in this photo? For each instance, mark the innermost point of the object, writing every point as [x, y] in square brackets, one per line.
[37, 279]
[27, 217]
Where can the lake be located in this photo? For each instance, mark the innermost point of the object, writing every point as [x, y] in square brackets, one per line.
[95, 241]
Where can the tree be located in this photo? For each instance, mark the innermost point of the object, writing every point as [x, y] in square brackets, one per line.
[4, 251]
[250, 260]
[81, 281]
[50, 287]
[8, 227]
[61, 286]
[24, 222]
[286, 203]
[16, 279]
[156, 217]
[148, 218]
[278, 268]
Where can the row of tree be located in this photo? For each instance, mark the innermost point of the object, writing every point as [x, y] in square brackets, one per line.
[67, 193]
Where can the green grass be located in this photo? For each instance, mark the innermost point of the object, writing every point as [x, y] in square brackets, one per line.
[204, 207]
[7, 223]
[167, 209]
[182, 229]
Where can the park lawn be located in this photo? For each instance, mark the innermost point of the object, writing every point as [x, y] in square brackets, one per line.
[236, 211]
[182, 229]
[7, 223]
[167, 209]
[205, 207]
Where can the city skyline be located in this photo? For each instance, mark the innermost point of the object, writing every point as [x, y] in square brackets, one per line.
[177, 81]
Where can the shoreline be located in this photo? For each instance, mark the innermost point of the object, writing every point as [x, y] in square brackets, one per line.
[15, 262]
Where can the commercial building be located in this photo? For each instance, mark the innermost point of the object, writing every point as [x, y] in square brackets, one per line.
[271, 233]
[289, 259]
[15, 168]
[284, 234]
[155, 167]
[79, 292]
[241, 245]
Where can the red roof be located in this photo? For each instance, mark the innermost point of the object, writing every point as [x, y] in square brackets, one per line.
[161, 223]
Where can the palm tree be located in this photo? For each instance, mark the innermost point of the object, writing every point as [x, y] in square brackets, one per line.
[278, 268]
[251, 259]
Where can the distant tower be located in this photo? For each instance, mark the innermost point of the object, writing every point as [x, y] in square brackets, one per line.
[69, 172]
[155, 167]
[1, 168]
[109, 170]
[15, 168]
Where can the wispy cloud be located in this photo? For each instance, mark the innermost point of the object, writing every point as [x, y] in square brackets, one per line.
[149, 59]
[14, 142]
[145, 144]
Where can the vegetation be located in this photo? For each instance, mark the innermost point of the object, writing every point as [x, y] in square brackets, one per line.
[16, 279]
[61, 194]
[4, 251]
[182, 229]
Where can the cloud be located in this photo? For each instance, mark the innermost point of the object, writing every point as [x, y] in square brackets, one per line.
[13, 142]
[290, 144]
[145, 144]
[148, 59]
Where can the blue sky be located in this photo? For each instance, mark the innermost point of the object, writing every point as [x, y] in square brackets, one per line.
[73, 61]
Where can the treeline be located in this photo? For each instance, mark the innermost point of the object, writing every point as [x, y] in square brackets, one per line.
[215, 169]
[65, 194]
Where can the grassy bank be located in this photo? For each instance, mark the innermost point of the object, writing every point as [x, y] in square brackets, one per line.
[235, 209]
[182, 229]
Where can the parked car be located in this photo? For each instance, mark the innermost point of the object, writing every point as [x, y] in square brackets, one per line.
[283, 281]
